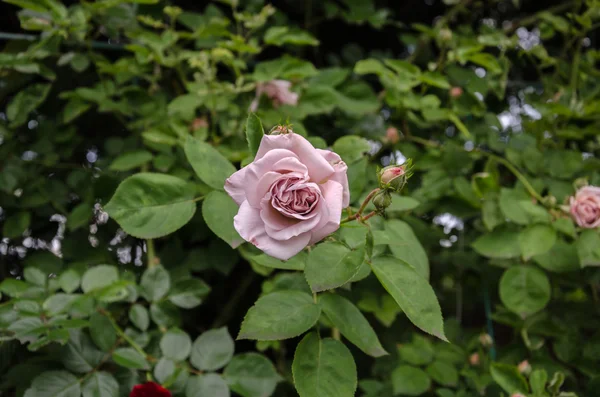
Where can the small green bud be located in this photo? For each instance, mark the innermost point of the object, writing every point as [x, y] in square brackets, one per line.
[382, 200]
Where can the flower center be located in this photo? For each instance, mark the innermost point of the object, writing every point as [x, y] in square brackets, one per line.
[294, 196]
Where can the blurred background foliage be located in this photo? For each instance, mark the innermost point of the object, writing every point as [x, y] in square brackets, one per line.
[496, 101]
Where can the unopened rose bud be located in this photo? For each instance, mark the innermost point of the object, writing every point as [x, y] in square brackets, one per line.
[456, 92]
[390, 173]
[445, 34]
[392, 135]
[474, 359]
[524, 367]
[382, 200]
[393, 177]
[486, 340]
[549, 201]
[198, 123]
[517, 395]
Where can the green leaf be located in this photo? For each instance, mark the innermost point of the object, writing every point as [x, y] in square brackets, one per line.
[588, 248]
[280, 315]
[188, 294]
[59, 303]
[211, 166]
[323, 368]
[418, 352]
[35, 276]
[102, 332]
[251, 375]
[80, 355]
[435, 79]
[99, 276]
[331, 265]
[100, 384]
[211, 385]
[410, 381]
[443, 373]
[412, 292]
[131, 160]
[406, 246]
[176, 344]
[351, 148]
[26, 101]
[254, 133]
[509, 378]
[138, 315]
[296, 262]
[280, 35]
[155, 283]
[524, 290]
[560, 259]
[402, 203]
[54, 384]
[15, 225]
[536, 239]
[500, 243]
[80, 216]
[149, 205]
[537, 380]
[286, 67]
[212, 350]
[74, 108]
[351, 323]
[218, 210]
[130, 358]
[510, 205]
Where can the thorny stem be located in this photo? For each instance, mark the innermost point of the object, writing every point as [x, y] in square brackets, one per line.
[358, 215]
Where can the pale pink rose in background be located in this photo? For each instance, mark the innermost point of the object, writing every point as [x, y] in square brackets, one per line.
[585, 207]
[474, 359]
[290, 196]
[524, 367]
[278, 92]
[517, 395]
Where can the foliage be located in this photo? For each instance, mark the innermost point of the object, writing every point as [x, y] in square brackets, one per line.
[112, 275]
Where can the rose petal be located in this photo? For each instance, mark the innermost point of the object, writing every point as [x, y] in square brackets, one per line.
[333, 193]
[340, 172]
[235, 186]
[250, 226]
[318, 168]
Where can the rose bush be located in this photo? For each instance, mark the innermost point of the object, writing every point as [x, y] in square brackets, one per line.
[124, 266]
[290, 196]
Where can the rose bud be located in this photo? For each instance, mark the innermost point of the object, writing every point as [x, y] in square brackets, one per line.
[585, 207]
[382, 200]
[198, 123]
[149, 389]
[393, 177]
[456, 92]
[486, 340]
[474, 359]
[445, 34]
[392, 136]
[524, 367]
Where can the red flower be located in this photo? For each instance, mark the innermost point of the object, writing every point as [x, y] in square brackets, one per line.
[149, 389]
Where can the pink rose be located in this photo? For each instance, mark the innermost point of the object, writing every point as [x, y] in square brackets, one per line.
[474, 359]
[585, 207]
[278, 91]
[524, 367]
[290, 196]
